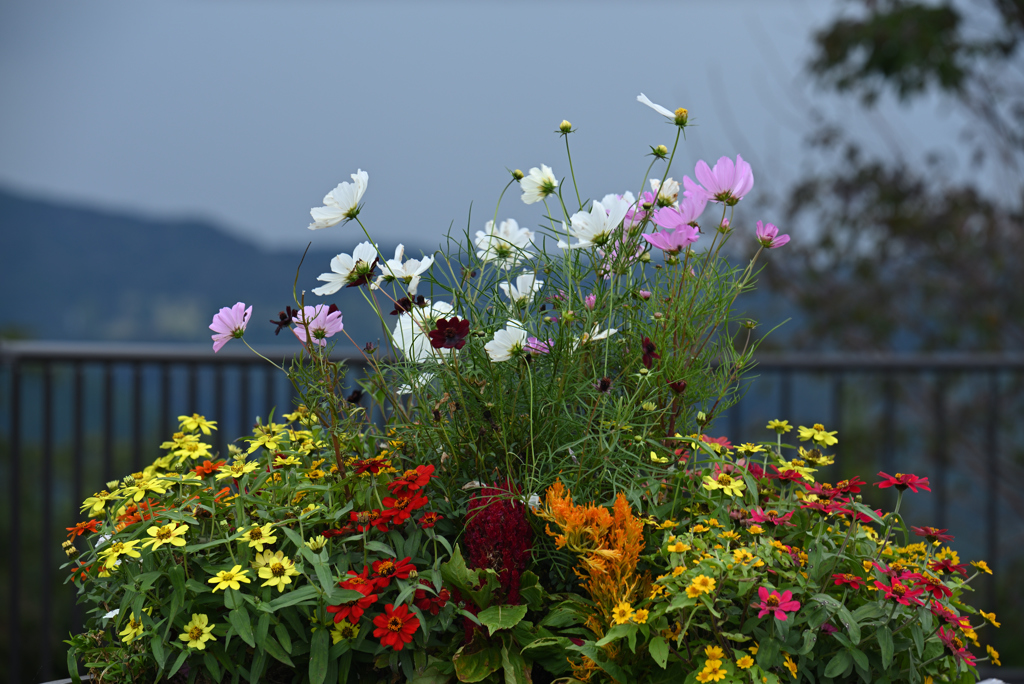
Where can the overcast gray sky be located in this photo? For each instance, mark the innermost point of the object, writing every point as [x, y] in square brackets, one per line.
[247, 112]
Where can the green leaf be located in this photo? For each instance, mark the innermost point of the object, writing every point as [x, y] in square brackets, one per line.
[767, 653]
[501, 617]
[531, 591]
[809, 640]
[380, 547]
[853, 629]
[156, 644]
[283, 637]
[478, 665]
[212, 665]
[73, 667]
[276, 652]
[179, 661]
[318, 650]
[918, 634]
[516, 670]
[617, 632]
[860, 658]
[239, 619]
[478, 585]
[306, 593]
[659, 651]
[885, 643]
[840, 661]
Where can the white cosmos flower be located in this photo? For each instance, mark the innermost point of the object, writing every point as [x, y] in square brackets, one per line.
[409, 272]
[594, 335]
[643, 99]
[411, 333]
[349, 271]
[667, 194]
[538, 184]
[112, 614]
[597, 227]
[419, 382]
[341, 203]
[522, 292]
[507, 341]
[505, 245]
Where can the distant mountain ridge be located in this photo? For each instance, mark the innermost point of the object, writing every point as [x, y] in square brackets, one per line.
[73, 273]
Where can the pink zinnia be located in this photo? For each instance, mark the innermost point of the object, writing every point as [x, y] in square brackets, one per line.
[768, 236]
[728, 182]
[322, 321]
[776, 603]
[229, 324]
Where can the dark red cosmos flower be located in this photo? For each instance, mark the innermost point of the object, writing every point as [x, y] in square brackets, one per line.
[284, 319]
[825, 507]
[900, 592]
[956, 647]
[387, 569]
[650, 352]
[449, 333]
[933, 585]
[372, 465]
[853, 581]
[411, 480]
[395, 626]
[431, 604]
[903, 482]
[679, 386]
[760, 515]
[428, 520]
[339, 531]
[81, 528]
[352, 610]
[933, 534]
[947, 566]
[401, 508]
[364, 520]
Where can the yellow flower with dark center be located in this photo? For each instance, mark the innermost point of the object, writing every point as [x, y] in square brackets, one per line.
[701, 584]
[266, 558]
[698, 529]
[678, 547]
[955, 557]
[198, 632]
[622, 613]
[790, 665]
[993, 654]
[278, 573]
[344, 631]
[779, 426]
[729, 534]
[668, 524]
[316, 543]
[168, 534]
[745, 662]
[229, 579]
[640, 616]
[196, 422]
[236, 470]
[133, 629]
[981, 565]
[281, 460]
[818, 433]
[990, 617]
[141, 487]
[713, 522]
[714, 653]
[749, 448]
[116, 550]
[712, 672]
[730, 485]
[193, 450]
[755, 529]
[678, 570]
[97, 502]
[257, 536]
[657, 591]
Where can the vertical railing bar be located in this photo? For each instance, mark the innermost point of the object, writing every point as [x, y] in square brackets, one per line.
[941, 474]
[837, 408]
[992, 501]
[193, 389]
[220, 409]
[270, 387]
[889, 430]
[165, 401]
[108, 421]
[77, 456]
[243, 390]
[14, 538]
[46, 647]
[735, 422]
[137, 414]
[785, 395]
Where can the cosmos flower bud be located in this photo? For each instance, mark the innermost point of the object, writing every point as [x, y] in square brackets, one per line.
[518, 175]
[660, 151]
[682, 116]
[565, 127]
[702, 418]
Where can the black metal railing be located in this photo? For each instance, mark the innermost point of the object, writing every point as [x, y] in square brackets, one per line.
[74, 416]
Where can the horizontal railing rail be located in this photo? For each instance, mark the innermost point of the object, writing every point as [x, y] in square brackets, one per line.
[75, 415]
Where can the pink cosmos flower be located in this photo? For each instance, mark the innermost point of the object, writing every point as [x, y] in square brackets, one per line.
[644, 295]
[768, 236]
[589, 301]
[536, 346]
[229, 324]
[636, 214]
[686, 214]
[322, 321]
[673, 241]
[776, 603]
[728, 182]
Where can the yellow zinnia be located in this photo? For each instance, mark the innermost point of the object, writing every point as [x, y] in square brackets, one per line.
[278, 573]
[198, 632]
[226, 579]
[258, 536]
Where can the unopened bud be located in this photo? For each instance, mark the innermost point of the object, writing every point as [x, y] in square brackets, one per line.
[682, 116]
[658, 315]
[565, 127]
[112, 485]
[645, 257]
[518, 175]
[702, 418]
[661, 151]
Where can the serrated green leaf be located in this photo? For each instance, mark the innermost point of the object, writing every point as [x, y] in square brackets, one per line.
[501, 617]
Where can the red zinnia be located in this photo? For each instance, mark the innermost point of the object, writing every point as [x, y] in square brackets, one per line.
[81, 528]
[429, 519]
[431, 604]
[933, 534]
[946, 565]
[933, 585]
[208, 468]
[360, 582]
[953, 643]
[787, 475]
[760, 515]
[401, 508]
[372, 465]
[823, 490]
[776, 603]
[395, 626]
[853, 581]
[411, 480]
[449, 334]
[900, 592]
[902, 482]
[386, 569]
[352, 610]
[939, 610]
[364, 520]
[851, 486]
